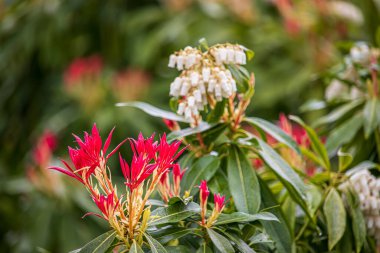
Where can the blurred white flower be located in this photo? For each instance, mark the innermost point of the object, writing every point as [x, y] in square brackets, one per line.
[361, 54]
[335, 89]
[346, 11]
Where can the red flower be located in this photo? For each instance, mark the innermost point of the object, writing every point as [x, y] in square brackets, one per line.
[219, 201]
[139, 170]
[295, 131]
[177, 173]
[147, 157]
[167, 153]
[88, 156]
[204, 192]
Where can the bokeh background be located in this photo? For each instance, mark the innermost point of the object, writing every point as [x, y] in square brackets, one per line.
[65, 63]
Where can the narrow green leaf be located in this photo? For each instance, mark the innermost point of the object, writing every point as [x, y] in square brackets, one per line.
[275, 132]
[358, 223]
[337, 113]
[285, 173]
[202, 169]
[279, 232]
[174, 213]
[153, 111]
[242, 181]
[344, 133]
[335, 214]
[371, 115]
[316, 143]
[240, 244]
[240, 217]
[99, 245]
[166, 235]
[188, 131]
[345, 159]
[135, 248]
[155, 246]
[217, 112]
[222, 243]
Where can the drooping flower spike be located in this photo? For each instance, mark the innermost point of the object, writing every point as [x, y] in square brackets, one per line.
[88, 156]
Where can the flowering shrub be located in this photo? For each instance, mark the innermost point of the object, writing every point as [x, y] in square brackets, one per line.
[301, 197]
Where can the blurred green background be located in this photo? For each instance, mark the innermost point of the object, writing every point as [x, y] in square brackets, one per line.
[65, 63]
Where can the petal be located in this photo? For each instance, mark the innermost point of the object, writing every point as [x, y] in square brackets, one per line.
[108, 141]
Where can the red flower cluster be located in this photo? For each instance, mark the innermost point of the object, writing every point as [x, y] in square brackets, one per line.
[89, 156]
[297, 132]
[149, 156]
[83, 67]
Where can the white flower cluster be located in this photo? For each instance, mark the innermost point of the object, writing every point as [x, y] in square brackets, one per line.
[368, 189]
[203, 77]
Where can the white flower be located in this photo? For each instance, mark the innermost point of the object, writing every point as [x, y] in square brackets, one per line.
[367, 187]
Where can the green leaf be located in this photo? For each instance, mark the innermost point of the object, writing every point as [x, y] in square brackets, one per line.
[217, 112]
[222, 243]
[240, 217]
[99, 245]
[155, 246]
[345, 159]
[174, 213]
[242, 181]
[166, 235]
[338, 113]
[135, 248]
[211, 135]
[358, 223]
[371, 115]
[335, 214]
[153, 111]
[203, 169]
[289, 209]
[189, 131]
[250, 54]
[316, 143]
[344, 133]
[219, 183]
[275, 132]
[284, 172]
[279, 232]
[240, 244]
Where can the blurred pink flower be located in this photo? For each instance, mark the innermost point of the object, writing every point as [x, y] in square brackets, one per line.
[82, 68]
